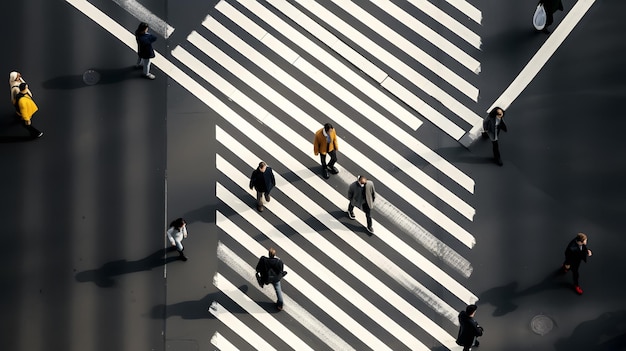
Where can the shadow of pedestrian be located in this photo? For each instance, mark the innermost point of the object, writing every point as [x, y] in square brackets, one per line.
[106, 76]
[104, 276]
[503, 297]
[605, 333]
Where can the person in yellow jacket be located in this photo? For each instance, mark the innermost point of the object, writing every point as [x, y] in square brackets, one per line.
[25, 107]
[325, 142]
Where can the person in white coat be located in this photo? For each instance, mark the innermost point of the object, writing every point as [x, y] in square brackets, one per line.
[176, 233]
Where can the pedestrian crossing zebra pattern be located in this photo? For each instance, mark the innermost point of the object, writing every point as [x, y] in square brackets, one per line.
[347, 291]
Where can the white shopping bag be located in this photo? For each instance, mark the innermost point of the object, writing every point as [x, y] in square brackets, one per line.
[539, 18]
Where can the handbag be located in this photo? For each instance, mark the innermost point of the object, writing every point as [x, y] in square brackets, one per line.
[539, 18]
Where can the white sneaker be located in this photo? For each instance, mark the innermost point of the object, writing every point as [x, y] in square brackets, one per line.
[149, 76]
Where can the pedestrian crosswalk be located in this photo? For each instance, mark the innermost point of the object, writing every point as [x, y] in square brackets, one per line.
[274, 72]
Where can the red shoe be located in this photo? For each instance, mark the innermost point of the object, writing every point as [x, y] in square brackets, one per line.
[579, 291]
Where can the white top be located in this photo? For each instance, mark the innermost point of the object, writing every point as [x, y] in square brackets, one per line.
[174, 235]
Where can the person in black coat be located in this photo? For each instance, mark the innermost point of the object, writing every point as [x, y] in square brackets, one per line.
[492, 124]
[469, 330]
[262, 179]
[551, 6]
[575, 252]
[270, 270]
[144, 49]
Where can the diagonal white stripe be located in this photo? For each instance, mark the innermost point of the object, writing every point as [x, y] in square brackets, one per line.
[222, 344]
[250, 336]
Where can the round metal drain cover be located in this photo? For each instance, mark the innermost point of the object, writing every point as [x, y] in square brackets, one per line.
[91, 77]
[541, 324]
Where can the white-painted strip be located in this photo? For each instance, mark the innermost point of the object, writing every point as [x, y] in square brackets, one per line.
[292, 308]
[320, 270]
[144, 15]
[415, 52]
[373, 255]
[360, 245]
[297, 282]
[331, 85]
[339, 67]
[355, 128]
[347, 73]
[467, 9]
[435, 13]
[536, 63]
[249, 335]
[260, 314]
[417, 79]
[302, 144]
[222, 344]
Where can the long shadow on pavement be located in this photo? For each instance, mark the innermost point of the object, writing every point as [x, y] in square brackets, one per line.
[605, 333]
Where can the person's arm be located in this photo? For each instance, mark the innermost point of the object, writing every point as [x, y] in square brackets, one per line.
[252, 179]
[170, 237]
[273, 178]
[316, 148]
[373, 192]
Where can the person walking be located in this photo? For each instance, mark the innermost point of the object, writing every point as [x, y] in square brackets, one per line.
[469, 330]
[144, 49]
[325, 142]
[176, 232]
[550, 6]
[15, 79]
[362, 195]
[262, 179]
[575, 252]
[492, 124]
[25, 108]
[270, 270]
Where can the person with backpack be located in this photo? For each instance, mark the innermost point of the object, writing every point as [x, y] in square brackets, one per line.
[269, 270]
[25, 108]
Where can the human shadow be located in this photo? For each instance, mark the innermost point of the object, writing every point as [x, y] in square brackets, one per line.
[605, 333]
[14, 124]
[104, 276]
[503, 297]
[462, 155]
[106, 76]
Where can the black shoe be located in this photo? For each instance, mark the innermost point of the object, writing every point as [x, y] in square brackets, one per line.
[476, 343]
[333, 170]
[499, 162]
[545, 30]
[370, 229]
[325, 173]
[183, 257]
[279, 307]
[351, 215]
[39, 135]
[284, 273]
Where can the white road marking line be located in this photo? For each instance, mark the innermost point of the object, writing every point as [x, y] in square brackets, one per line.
[222, 344]
[144, 15]
[467, 9]
[438, 15]
[360, 245]
[297, 282]
[292, 308]
[341, 69]
[322, 272]
[536, 63]
[254, 310]
[232, 322]
[392, 106]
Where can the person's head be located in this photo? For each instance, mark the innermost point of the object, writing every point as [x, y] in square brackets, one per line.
[362, 180]
[271, 252]
[581, 238]
[262, 166]
[142, 28]
[23, 87]
[471, 310]
[328, 127]
[497, 112]
[13, 76]
[178, 223]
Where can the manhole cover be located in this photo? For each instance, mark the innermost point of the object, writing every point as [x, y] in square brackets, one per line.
[541, 324]
[91, 77]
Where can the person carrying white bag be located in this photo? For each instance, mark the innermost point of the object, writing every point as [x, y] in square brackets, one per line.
[543, 16]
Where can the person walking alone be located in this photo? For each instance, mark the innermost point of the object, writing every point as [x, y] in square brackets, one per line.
[15, 79]
[175, 234]
[325, 142]
[575, 252]
[362, 195]
[270, 270]
[262, 179]
[25, 108]
[492, 124]
[144, 49]
[469, 330]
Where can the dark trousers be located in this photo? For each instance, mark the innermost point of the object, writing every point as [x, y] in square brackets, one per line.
[496, 150]
[367, 210]
[34, 132]
[574, 266]
[333, 159]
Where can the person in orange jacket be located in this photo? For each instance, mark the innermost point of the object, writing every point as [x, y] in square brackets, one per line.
[325, 142]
